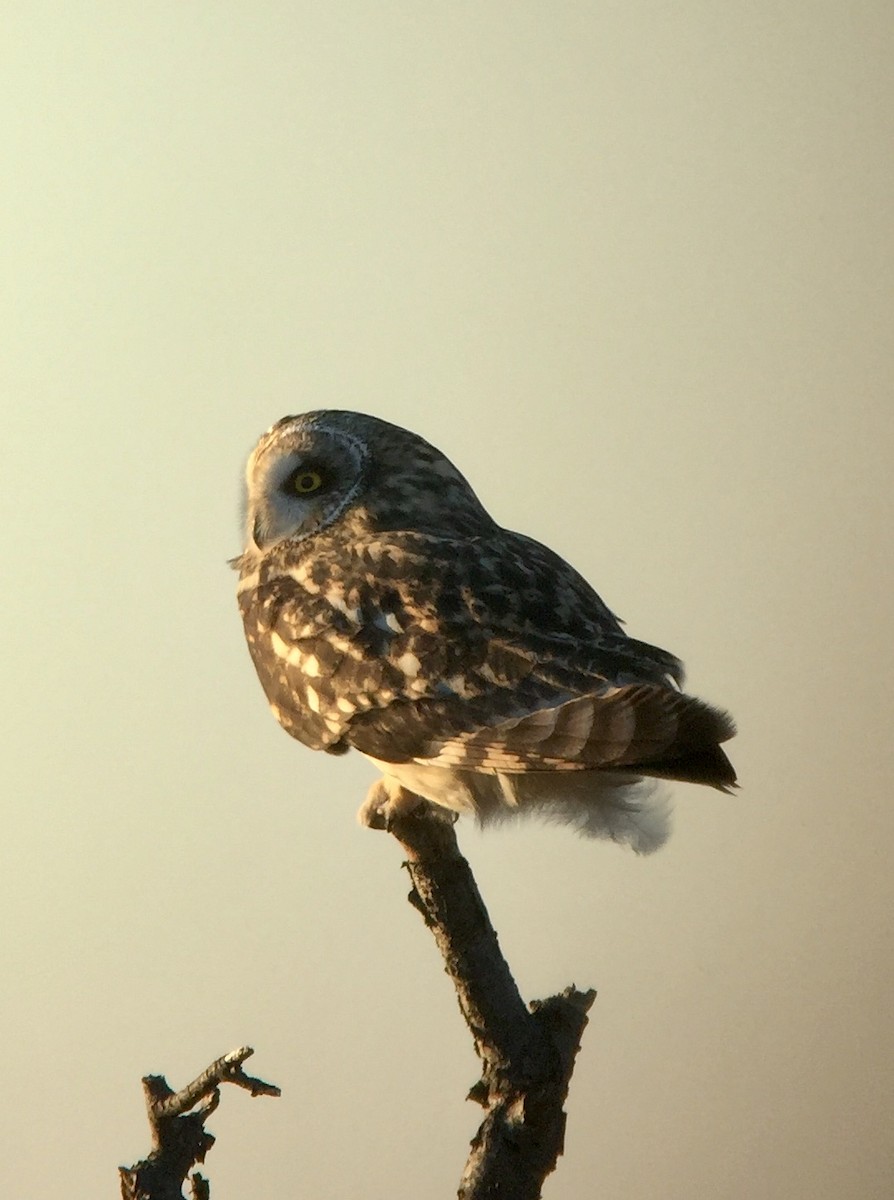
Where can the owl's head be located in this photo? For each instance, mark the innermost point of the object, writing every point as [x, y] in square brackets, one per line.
[309, 472]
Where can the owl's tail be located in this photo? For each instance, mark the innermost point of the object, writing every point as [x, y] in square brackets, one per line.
[637, 729]
[621, 743]
[709, 766]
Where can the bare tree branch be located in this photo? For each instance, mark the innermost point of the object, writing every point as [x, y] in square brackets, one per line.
[527, 1053]
[179, 1137]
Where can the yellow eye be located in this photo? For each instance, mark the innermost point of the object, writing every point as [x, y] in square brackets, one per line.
[306, 482]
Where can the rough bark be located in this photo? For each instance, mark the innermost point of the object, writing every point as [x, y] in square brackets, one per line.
[179, 1137]
[527, 1052]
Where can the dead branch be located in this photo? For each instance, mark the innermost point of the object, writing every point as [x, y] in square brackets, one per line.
[527, 1052]
[179, 1137]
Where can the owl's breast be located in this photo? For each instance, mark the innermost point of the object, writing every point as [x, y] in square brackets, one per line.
[332, 640]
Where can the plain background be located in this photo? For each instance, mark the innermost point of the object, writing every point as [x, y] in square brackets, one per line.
[630, 266]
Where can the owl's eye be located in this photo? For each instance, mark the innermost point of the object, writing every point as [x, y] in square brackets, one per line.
[304, 482]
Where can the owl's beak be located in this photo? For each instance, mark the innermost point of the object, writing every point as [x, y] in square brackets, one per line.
[260, 534]
[269, 527]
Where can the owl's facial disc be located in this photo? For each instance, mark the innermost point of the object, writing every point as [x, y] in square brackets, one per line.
[299, 480]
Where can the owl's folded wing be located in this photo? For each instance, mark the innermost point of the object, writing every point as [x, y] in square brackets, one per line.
[496, 664]
[649, 728]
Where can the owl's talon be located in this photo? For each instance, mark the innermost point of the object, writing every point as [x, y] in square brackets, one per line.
[372, 818]
[385, 802]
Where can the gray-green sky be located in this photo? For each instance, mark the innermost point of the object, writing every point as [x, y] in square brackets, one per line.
[630, 266]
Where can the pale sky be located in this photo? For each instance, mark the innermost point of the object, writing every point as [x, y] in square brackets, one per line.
[630, 266]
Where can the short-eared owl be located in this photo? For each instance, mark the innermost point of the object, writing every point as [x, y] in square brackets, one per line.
[386, 611]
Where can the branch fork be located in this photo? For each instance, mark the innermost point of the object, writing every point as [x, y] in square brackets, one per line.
[179, 1137]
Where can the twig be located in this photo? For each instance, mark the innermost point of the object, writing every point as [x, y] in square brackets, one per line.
[527, 1053]
[179, 1137]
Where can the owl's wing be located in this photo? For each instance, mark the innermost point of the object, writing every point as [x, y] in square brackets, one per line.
[651, 729]
[542, 676]
[490, 653]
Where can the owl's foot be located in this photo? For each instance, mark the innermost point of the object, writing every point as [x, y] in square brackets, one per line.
[385, 801]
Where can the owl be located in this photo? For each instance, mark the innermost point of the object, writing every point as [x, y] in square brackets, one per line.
[387, 612]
